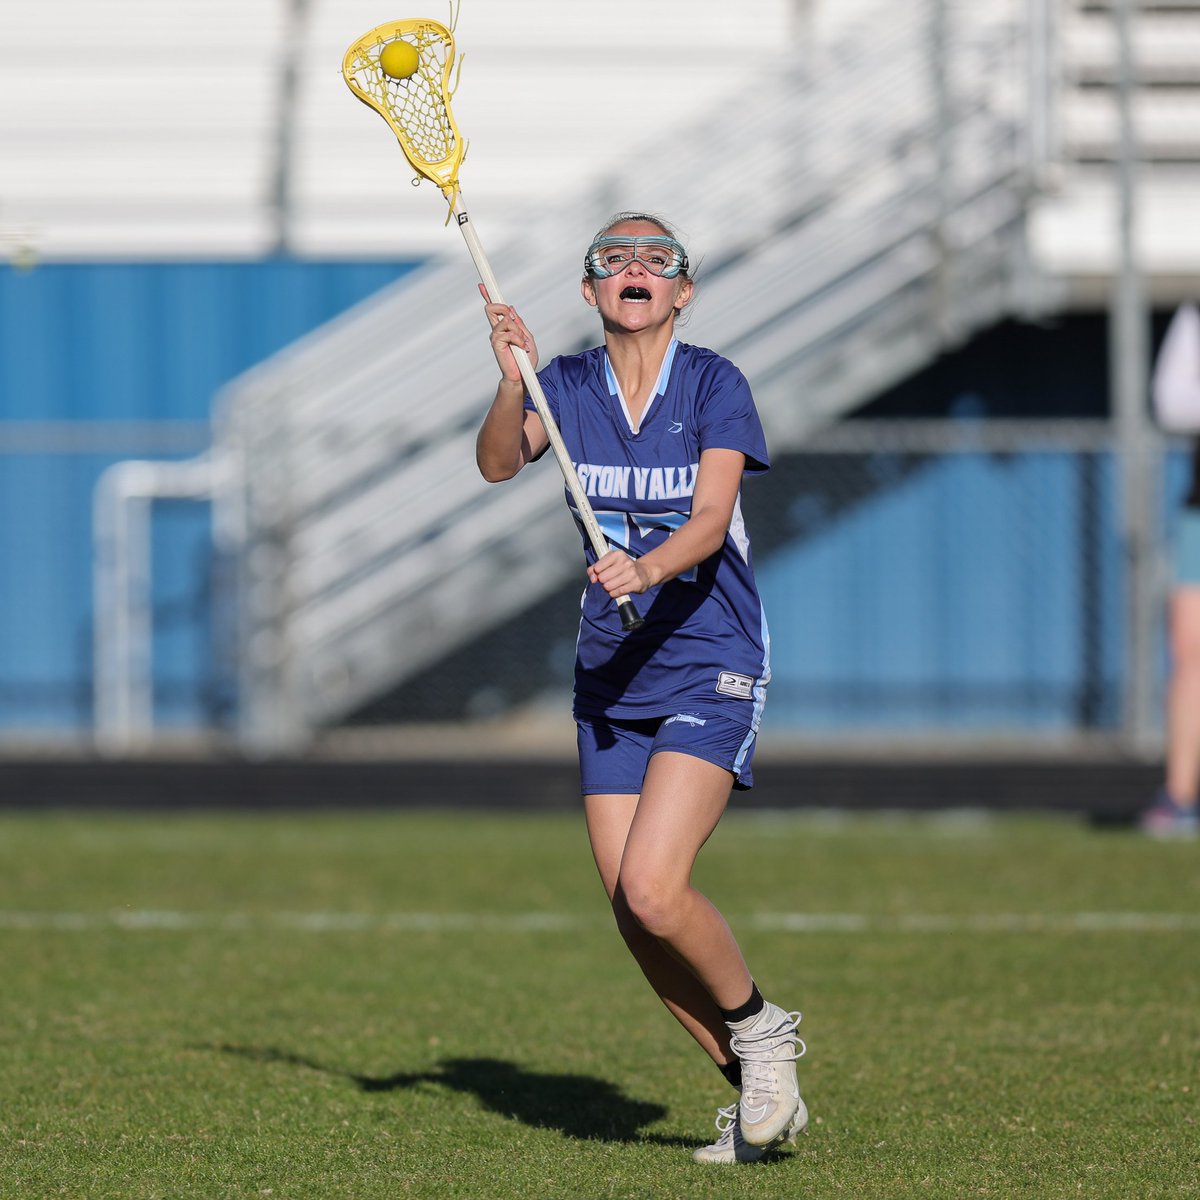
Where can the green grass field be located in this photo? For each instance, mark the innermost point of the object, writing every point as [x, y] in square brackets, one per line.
[435, 1005]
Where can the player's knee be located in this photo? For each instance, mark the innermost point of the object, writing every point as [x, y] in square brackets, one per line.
[628, 926]
[651, 904]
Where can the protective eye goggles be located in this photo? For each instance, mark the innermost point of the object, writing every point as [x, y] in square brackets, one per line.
[659, 254]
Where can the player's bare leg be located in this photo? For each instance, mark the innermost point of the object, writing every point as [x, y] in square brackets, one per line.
[609, 819]
[645, 847]
[683, 797]
[1183, 699]
[1174, 813]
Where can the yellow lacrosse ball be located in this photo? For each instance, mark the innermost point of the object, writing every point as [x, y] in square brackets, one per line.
[399, 60]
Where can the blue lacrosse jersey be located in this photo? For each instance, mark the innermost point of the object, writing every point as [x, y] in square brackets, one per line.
[705, 639]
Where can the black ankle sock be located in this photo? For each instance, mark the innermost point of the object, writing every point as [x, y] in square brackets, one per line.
[751, 1008]
[733, 1072]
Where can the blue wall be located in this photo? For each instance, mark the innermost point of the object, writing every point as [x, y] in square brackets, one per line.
[971, 592]
[964, 597]
[87, 345]
[155, 340]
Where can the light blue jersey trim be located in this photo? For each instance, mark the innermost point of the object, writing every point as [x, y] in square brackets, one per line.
[614, 526]
[760, 696]
[660, 385]
[760, 684]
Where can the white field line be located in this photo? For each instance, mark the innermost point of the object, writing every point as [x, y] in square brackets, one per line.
[135, 920]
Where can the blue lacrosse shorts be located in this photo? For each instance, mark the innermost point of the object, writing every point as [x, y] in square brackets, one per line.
[614, 754]
[1187, 547]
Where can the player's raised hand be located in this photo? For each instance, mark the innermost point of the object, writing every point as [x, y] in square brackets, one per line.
[508, 330]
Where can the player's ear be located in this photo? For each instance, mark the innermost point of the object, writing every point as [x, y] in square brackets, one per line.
[587, 289]
[683, 295]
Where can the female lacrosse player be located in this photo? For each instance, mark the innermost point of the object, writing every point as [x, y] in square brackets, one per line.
[667, 715]
[1174, 813]
[1175, 394]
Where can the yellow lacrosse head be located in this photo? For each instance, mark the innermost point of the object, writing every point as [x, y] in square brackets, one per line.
[417, 107]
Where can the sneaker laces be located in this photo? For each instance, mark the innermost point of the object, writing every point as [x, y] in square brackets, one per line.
[758, 1052]
[726, 1123]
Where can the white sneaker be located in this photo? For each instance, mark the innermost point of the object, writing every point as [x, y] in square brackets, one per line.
[797, 1125]
[768, 1047]
[730, 1147]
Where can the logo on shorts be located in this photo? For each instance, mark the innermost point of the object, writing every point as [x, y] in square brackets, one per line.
[731, 684]
[686, 718]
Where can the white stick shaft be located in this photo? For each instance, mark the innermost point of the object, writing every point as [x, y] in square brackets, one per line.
[529, 375]
[541, 405]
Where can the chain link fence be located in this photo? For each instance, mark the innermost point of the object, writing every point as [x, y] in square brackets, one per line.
[920, 578]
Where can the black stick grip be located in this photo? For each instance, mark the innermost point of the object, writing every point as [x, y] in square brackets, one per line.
[630, 617]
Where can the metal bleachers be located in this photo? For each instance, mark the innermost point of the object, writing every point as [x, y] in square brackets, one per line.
[223, 128]
[859, 212]
[870, 198]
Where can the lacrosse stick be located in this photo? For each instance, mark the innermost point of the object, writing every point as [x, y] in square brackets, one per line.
[417, 107]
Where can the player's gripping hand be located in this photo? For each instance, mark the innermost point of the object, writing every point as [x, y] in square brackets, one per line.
[620, 575]
[508, 330]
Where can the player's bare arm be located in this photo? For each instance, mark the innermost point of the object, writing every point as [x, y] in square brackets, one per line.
[510, 436]
[716, 491]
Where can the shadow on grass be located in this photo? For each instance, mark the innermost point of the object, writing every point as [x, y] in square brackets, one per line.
[580, 1106]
